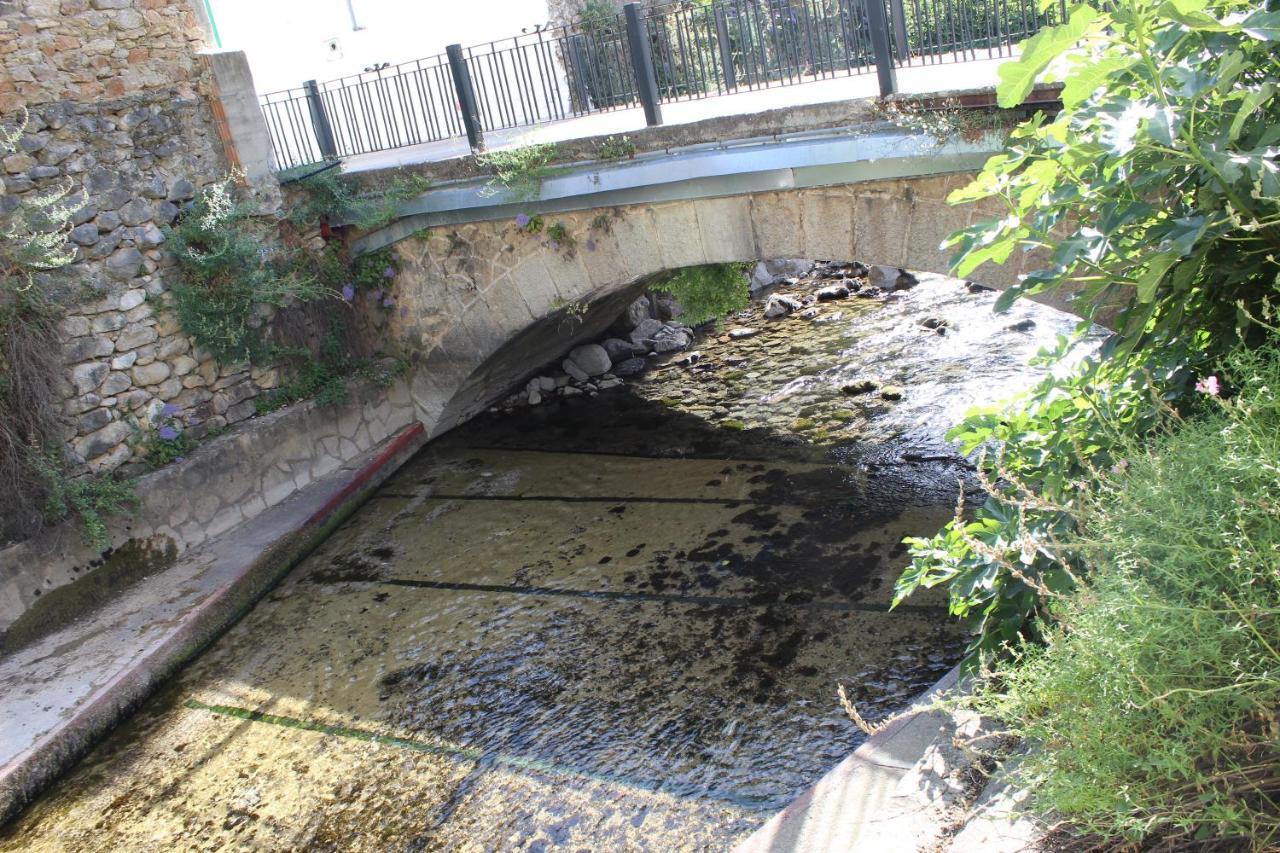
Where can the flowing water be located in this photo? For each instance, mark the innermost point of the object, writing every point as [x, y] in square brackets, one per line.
[603, 623]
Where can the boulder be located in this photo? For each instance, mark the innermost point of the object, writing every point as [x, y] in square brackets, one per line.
[780, 306]
[629, 367]
[592, 359]
[637, 312]
[768, 273]
[645, 331]
[574, 371]
[618, 349]
[667, 306]
[671, 339]
[832, 292]
[890, 278]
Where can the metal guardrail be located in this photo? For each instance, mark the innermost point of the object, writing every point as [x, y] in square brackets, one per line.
[645, 57]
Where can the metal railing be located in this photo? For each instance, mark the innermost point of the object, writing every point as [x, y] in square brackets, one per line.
[679, 51]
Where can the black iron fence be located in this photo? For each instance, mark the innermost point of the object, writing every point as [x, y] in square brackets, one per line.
[646, 57]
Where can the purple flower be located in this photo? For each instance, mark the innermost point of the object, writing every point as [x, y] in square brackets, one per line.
[348, 292]
[389, 272]
[554, 244]
[376, 295]
[179, 459]
[388, 302]
[591, 244]
[522, 219]
[404, 311]
[1209, 385]
[167, 433]
[169, 410]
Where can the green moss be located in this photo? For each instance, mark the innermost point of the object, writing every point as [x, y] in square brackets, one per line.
[732, 424]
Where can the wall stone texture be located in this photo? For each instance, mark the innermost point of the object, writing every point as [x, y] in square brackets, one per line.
[118, 106]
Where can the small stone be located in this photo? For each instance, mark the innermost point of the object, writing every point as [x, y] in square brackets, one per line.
[184, 364]
[124, 362]
[135, 212]
[832, 292]
[1021, 326]
[182, 190]
[860, 386]
[84, 235]
[93, 421]
[740, 332]
[108, 322]
[891, 392]
[88, 376]
[74, 327]
[108, 221]
[166, 212]
[131, 299]
[574, 371]
[155, 188]
[103, 441]
[151, 374]
[134, 337]
[18, 162]
[115, 383]
[535, 397]
[124, 264]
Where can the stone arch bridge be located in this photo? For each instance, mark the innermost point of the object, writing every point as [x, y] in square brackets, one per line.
[479, 303]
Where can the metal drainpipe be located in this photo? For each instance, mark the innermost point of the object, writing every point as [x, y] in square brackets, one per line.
[213, 25]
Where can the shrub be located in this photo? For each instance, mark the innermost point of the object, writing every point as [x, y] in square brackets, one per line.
[710, 291]
[1156, 191]
[34, 486]
[1154, 700]
[333, 198]
[226, 272]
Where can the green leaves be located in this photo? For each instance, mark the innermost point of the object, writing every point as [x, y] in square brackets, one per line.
[1018, 78]
[1264, 26]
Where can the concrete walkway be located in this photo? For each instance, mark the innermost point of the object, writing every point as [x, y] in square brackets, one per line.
[61, 693]
[916, 80]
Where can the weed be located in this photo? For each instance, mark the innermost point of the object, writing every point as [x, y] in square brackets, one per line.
[520, 171]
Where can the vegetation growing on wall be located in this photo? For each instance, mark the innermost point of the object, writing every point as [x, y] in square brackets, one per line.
[710, 291]
[35, 487]
[520, 171]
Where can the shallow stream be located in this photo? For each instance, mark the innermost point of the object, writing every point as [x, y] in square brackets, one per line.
[605, 623]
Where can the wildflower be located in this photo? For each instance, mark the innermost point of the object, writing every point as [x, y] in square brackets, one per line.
[1209, 385]
[1120, 467]
[591, 244]
[389, 272]
[179, 459]
[388, 302]
[522, 220]
[554, 244]
[169, 410]
[167, 433]
[404, 311]
[376, 296]
[348, 292]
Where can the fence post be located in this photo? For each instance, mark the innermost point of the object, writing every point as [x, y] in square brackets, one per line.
[320, 121]
[899, 16]
[880, 47]
[578, 70]
[466, 96]
[726, 50]
[642, 65]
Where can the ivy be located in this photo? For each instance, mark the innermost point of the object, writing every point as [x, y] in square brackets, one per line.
[709, 291]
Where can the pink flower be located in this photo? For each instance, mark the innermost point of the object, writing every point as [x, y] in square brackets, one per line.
[1209, 385]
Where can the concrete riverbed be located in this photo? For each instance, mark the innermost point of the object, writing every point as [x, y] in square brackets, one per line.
[609, 623]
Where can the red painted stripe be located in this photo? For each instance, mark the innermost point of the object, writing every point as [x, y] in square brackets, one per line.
[407, 436]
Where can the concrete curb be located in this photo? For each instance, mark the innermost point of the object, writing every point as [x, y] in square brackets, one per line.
[847, 808]
[27, 773]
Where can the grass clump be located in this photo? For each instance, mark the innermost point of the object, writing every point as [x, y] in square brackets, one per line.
[1153, 703]
[518, 170]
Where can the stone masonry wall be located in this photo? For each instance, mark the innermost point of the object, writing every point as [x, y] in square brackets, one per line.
[118, 103]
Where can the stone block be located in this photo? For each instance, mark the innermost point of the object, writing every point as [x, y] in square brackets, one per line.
[151, 374]
[135, 336]
[88, 376]
[725, 224]
[827, 216]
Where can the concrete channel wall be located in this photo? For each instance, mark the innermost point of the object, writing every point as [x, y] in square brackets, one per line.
[225, 482]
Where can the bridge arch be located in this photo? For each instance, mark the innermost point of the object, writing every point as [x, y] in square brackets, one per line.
[480, 305]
